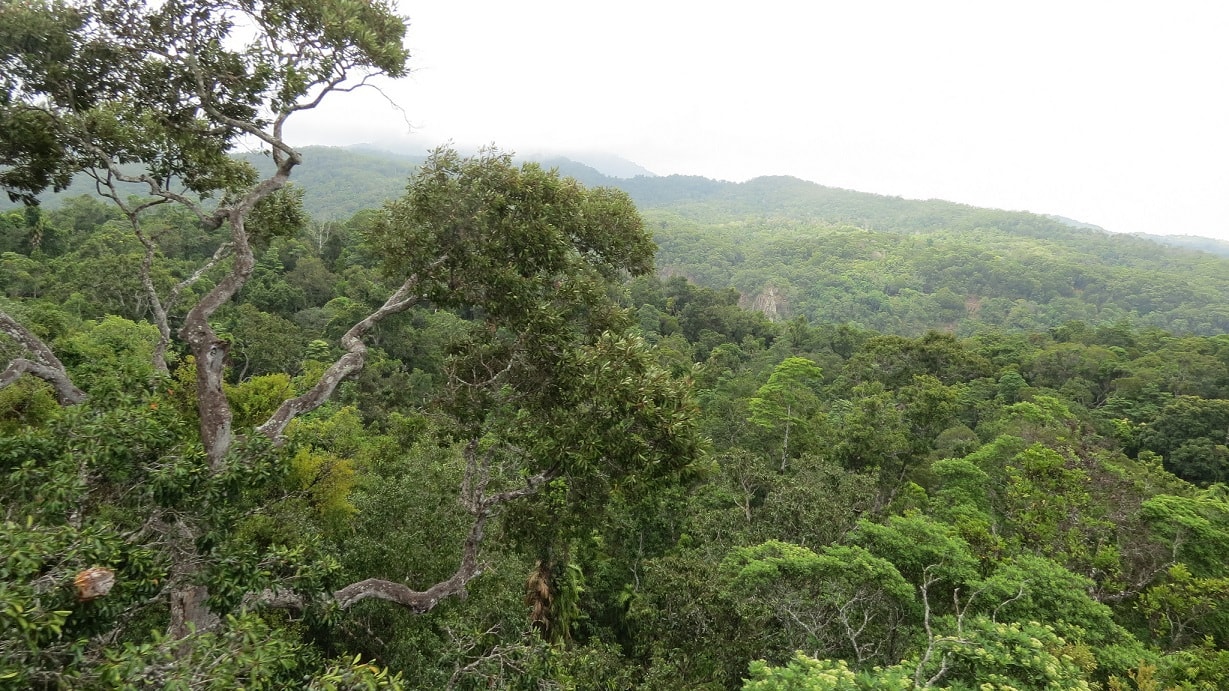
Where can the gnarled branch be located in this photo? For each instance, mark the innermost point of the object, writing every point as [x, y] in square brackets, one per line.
[45, 365]
[65, 391]
[353, 361]
[420, 602]
[469, 568]
[13, 329]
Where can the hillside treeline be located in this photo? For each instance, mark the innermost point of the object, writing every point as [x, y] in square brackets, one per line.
[946, 465]
[793, 248]
[962, 281]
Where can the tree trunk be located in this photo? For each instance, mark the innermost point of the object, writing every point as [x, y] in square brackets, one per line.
[189, 613]
[211, 352]
[785, 442]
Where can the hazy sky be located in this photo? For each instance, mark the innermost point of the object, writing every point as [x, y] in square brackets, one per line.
[1113, 113]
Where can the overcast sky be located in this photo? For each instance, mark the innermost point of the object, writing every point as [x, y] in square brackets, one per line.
[1112, 113]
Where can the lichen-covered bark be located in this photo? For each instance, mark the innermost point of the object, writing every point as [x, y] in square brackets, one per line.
[65, 391]
[349, 363]
[43, 364]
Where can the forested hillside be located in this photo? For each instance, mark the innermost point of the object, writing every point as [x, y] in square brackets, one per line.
[508, 430]
[341, 182]
[959, 280]
[1209, 245]
[794, 248]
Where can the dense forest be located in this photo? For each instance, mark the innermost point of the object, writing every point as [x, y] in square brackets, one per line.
[794, 248]
[269, 423]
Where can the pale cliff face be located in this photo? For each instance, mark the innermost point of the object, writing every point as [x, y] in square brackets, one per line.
[771, 302]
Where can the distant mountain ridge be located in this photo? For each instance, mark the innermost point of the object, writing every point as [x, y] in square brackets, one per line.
[341, 181]
[796, 248]
[607, 165]
[1073, 223]
[1191, 242]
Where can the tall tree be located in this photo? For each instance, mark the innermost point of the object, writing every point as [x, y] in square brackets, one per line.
[546, 390]
[148, 101]
[787, 400]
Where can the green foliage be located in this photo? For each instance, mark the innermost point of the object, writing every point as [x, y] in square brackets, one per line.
[327, 481]
[984, 655]
[1184, 609]
[254, 400]
[894, 360]
[838, 601]
[54, 477]
[1006, 656]
[961, 500]
[614, 425]
[28, 402]
[787, 400]
[1025, 588]
[22, 277]
[924, 265]
[278, 215]
[1205, 666]
[1043, 500]
[921, 548]
[748, 501]
[102, 89]
[1197, 526]
[1191, 434]
[921, 509]
[247, 652]
[338, 183]
[111, 358]
[481, 232]
[263, 343]
[686, 629]
[868, 431]
[835, 256]
[803, 673]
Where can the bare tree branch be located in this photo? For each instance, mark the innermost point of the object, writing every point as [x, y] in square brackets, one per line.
[928, 579]
[469, 568]
[221, 253]
[994, 616]
[349, 363]
[147, 281]
[45, 365]
[498, 666]
[66, 392]
[420, 602]
[156, 189]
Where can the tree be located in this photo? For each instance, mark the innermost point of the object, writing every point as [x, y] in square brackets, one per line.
[548, 384]
[150, 99]
[1192, 434]
[840, 600]
[787, 399]
[546, 392]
